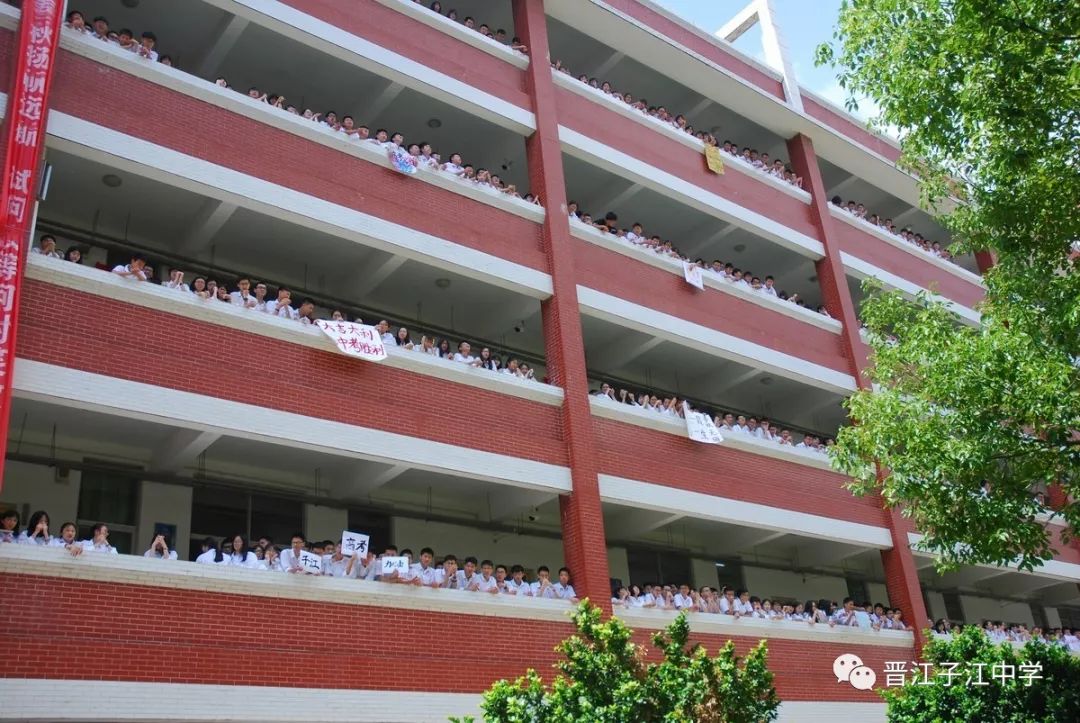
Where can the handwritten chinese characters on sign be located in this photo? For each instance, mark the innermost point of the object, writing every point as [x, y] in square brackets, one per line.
[356, 340]
[354, 543]
[390, 565]
[692, 274]
[310, 562]
[699, 427]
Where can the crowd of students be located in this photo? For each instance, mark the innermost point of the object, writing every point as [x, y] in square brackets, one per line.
[235, 551]
[637, 236]
[1000, 632]
[747, 156]
[254, 295]
[145, 46]
[858, 210]
[406, 157]
[741, 604]
[726, 422]
[499, 35]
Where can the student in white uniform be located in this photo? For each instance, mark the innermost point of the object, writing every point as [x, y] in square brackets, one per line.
[47, 247]
[241, 556]
[424, 573]
[449, 573]
[210, 554]
[464, 356]
[283, 306]
[542, 586]
[743, 606]
[243, 296]
[336, 564]
[683, 600]
[468, 578]
[68, 531]
[517, 585]
[486, 581]
[388, 339]
[37, 530]
[563, 589]
[134, 271]
[290, 558]
[159, 549]
[99, 542]
[9, 526]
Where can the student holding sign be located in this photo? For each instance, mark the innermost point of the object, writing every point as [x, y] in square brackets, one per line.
[290, 558]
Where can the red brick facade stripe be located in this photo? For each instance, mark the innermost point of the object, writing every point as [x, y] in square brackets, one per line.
[95, 334]
[667, 154]
[581, 512]
[158, 634]
[395, 31]
[850, 128]
[901, 575]
[639, 283]
[911, 267]
[702, 46]
[675, 461]
[103, 95]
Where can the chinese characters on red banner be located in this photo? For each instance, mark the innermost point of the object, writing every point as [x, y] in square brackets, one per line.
[39, 30]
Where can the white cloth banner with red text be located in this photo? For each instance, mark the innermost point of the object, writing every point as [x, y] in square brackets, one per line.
[358, 340]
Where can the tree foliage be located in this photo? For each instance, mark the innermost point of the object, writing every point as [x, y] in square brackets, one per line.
[1052, 698]
[986, 99]
[605, 678]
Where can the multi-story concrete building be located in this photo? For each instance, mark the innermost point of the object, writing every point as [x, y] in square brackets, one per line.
[153, 410]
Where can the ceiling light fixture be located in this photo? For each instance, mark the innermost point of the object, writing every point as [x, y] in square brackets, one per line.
[112, 180]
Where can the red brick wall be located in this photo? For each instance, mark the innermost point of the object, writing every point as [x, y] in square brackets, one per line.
[919, 271]
[102, 95]
[699, 45]
[97, 337]
[850, 128]
[640, 283]
[652, 147]
[395, 31]
[89, 630]
[675, 461]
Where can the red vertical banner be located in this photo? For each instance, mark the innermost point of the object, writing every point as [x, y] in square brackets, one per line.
[35, 58]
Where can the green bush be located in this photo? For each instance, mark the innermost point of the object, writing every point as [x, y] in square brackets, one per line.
[1053, 698]
[605, 678]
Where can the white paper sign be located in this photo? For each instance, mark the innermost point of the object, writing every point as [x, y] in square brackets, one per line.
[390, 565]
[354, 339]
[310, 562]
[353, 543]
[692, 274]
[700, 427]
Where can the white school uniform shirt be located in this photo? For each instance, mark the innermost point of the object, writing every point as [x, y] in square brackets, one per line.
[458, 357]
[25, 539]
[564, 592]
[428, 575]
[485, 585]
[463, 583]
[285, 312]
[156, 554]
[683, 602]
[89, 546]
[648, 599]
[522, 589]
[207, 558]
[548, 592]
[59, 542]
[122, 268]
[770, 290]
[179, 286]
[51, 254]
[336, 568]
[452, 168]
[744, 608]
[725, 606]
[237, 299]
[288, 560]
[233, 559]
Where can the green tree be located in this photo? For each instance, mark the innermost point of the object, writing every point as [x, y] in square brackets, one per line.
[605, 678]
[1054, 697]
[985, 96]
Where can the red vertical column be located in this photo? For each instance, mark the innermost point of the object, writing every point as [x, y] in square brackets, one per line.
[582, 518]
[901, 574]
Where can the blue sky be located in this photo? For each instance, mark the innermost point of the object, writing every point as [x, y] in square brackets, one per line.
[803, 24]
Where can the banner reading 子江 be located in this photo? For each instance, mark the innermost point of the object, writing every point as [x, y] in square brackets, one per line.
[310, 562]
[699, 427]
[354, 339]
